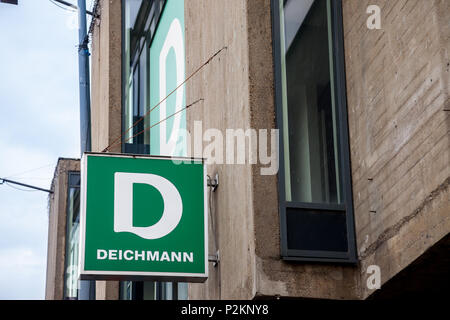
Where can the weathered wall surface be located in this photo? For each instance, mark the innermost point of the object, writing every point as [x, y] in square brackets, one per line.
[56, 247]
[398, 106]
[106, 95]
[106, 86]
[398, 102]
[224, 86]
[238, 90]
[275, 276]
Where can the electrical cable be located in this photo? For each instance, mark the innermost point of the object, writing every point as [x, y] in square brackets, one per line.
[60, 6]
[119, 139]
[9, 182]
[155, 124]
[35, 178]
[14, 187]
[28, 171]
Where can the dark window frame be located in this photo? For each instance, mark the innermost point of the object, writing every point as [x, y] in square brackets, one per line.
[350, 256]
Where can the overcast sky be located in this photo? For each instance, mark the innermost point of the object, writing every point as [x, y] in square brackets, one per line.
[39, 122]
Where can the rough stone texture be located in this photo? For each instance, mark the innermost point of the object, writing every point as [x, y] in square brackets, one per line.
[425, 276]
[224, 86]
[106, 86]
[275, 276]
[56, 247]
[398, 102]
[238, 92]
[398, 91]
[398, 107]
[106, 102]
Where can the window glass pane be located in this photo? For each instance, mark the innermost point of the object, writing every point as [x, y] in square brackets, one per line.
[74, 179]
[135, 71]
[149, 290]
[294, 14]
[309, 115]
[182, 291]
[143, 96]
[128, 116]
[71, 284]
[131, 12]
[323, 230]
[143, 82]
[136, 93]
[167, 290]
[126, 290]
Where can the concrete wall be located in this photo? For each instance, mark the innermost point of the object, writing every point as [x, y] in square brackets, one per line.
[224, 86]
[398, 102]
[275, 276]
[397, 87]
[106, 89]
[238, 92]
[54, 284]
[106, 77]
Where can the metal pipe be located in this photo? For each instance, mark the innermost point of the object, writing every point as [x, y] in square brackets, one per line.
[85, 109]
[83, 66]
[24, 185]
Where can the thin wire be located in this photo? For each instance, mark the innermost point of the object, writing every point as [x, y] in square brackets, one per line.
[148, 112]
[14, 187]
[60, 6]
[155, 124]
[36, 178]
[27, 171]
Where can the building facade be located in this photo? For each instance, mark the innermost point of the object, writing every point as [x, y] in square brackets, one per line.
[346, 195]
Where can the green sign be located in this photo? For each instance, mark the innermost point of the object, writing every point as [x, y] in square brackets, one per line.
[143, 217]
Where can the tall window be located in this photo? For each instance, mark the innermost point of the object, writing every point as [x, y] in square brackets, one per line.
[74, 289]
[72, 237]
[314, 181]
[141, 18]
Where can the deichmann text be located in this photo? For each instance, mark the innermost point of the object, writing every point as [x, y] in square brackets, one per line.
[135, 255]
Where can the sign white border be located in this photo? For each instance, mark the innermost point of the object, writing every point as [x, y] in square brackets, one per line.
[137, 275]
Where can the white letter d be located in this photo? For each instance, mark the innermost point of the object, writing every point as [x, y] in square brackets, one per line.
[123, 205]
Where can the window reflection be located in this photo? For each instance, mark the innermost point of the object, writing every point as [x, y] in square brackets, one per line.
[71, 287]
[309, 113]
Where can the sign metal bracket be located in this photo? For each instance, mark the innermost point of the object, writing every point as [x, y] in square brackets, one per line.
[214, 258]
[213, 183]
